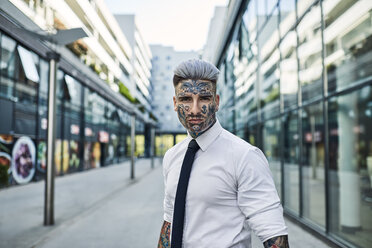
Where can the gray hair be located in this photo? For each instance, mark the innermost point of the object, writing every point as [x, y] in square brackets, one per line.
[195, 69]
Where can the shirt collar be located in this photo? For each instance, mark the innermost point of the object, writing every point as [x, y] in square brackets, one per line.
[209, 136]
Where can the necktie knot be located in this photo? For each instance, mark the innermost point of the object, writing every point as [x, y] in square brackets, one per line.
[193, 145]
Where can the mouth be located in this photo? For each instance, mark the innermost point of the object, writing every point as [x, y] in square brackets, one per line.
[195, 121]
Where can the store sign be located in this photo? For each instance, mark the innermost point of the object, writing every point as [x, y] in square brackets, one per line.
[317, 137]
[75, 129]
[88, 132]
[44, 123]
[103, 137]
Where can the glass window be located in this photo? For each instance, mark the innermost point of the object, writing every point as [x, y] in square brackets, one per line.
[250, 20]
[350, 162]
[74, 91]
[287, 16]
[310, 55]
[313, 194]
[26, 65]
[269, 69]
[98, 108]
[303, 5]
[348, 39]
[271, 148]
[28, 77]
[163, 143]
[43, 97]
[291, 165]
[288, 70]
[261, 13]
[7, 66]
[270, 5]
[88, 104]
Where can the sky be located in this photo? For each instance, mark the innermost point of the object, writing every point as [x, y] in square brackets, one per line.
[182, 24]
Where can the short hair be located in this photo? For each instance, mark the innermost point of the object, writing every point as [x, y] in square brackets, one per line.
[195, 69]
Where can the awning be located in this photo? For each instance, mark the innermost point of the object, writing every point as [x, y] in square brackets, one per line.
[70, 85]
[28, 64]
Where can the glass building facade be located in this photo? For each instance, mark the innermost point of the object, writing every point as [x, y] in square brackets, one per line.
[296, 81]
[92, 130]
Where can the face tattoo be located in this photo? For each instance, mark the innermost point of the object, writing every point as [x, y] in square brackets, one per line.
[196, 104]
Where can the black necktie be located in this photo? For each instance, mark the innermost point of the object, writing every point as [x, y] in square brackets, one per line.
[179, 204]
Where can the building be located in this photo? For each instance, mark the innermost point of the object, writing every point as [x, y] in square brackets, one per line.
[297, 82]
[215, 30]
[95, 109]
[140, 61]
[164, 61]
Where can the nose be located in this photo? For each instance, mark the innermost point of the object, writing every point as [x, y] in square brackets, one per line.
[195, 110]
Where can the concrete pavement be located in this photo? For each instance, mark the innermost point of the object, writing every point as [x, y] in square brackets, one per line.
[98, 208]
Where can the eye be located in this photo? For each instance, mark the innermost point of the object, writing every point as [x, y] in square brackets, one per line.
[184, 99]
[205, 98]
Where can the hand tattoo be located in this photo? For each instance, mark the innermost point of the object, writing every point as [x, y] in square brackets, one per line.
[277, 242]
[164, 239]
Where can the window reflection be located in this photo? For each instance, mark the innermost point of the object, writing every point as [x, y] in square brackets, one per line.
[288, 70]
[348, 42]
[303, 5]
[310, 55]
[350, 148]
[287, 16]
[7, 66]
[312, 161]
[271, 148]
[270, 57]
[291, 168]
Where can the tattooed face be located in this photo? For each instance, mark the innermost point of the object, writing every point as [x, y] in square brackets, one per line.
[196, 104]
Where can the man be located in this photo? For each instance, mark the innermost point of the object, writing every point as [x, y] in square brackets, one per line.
[230, 190]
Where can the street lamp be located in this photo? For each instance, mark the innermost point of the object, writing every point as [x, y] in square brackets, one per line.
[61, 37]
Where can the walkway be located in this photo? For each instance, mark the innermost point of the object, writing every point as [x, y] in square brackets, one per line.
[98, 208]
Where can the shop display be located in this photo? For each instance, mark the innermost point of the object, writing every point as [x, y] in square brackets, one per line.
[23, 159]
[6, 161]
[74, 155]
[96, 155]
[41, 156]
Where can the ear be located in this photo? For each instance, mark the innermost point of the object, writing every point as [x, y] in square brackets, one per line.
[217, 102]
[175, 103]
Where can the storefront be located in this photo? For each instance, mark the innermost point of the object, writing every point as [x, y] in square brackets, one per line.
[92, 121]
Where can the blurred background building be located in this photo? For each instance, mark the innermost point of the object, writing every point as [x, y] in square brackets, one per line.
[169, 129]
[296, 81]
[141, 60]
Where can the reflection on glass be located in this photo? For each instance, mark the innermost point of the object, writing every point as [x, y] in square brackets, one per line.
[140, 145]
[313, 164]
[271, 148]
[163, 143]
[261, 13]
[7, 66]
[287, 16]
[73, 104]
[291, 168]
[89, 97]
[288, 70]
[350, 159]
[348, 43]
[270, 57]
[180, 137]
[310, 55]
[303, 5]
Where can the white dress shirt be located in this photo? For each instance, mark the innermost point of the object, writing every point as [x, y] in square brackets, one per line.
[230, 192]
